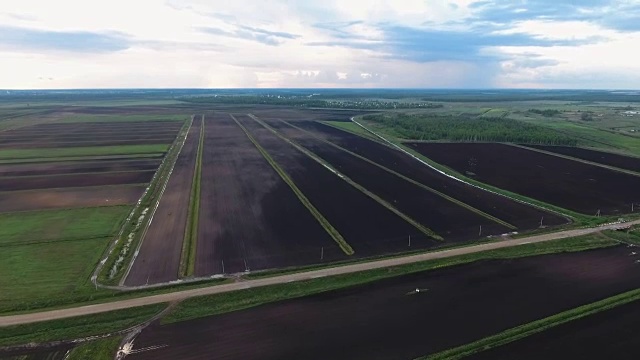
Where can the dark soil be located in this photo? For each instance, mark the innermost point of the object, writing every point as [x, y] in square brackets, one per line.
[601, 157]
[522, 216]
[249, 217]
[369, 227]
[159, 257]
[85, 166]
[611, 334]
[75, 180]
[569, 184]
[451, 221]
[383, 320]
[61, 198]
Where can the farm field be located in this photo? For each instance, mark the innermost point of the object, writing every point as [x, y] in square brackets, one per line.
[53, 225]
[601, 157]
[448, 219]
[369, 227]
[64, 198]
[159, 256]
[65, 191]
[562, 182]
[74, 167]
[249, 217]
[522, 216]
[505, 293]
[611, 334]
[54, 353]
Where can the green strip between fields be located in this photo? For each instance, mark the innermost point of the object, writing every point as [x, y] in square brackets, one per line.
[421, 185]
[188, 259]
[537, 326]
[337, 237]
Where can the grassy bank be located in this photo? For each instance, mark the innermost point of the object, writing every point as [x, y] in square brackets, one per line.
[77, 327]
[101, 349]
[122, 250]
[337, 237]
[188, 257]
[226, 302]
[535, 327]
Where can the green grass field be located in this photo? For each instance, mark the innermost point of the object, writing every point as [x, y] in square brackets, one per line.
[53, 225]
[47, 271]
[101, 349]
[12, 154]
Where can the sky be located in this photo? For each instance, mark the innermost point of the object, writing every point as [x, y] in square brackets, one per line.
[586, 44]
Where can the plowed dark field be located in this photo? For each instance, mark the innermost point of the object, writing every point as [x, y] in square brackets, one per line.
[249, 217]
[522, 216]
[381, 320]
[611, 334]
[569, 184]
[451, 221]
[75, 180]
[601, 157]
[69, 198]
[369, 227]
[55, 168]
[90, 134]
[159, 257]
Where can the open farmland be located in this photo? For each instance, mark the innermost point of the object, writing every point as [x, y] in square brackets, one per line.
[522, 216]
[562, 182]
[75, 180]
[601, 157]
[86, 166]
[249, 217]
[369, 227]
[449, 220]
[54, 135]
[611, 334]
[450, 310]
[159, 257]
[62, 198]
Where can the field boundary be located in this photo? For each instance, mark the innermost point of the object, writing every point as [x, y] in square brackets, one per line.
[118, 243]
[417, 183]
[310, 275]
[567, 157]
[333, 232]
[430, 233]
[569, 215]
[189, 243]
[534, 327]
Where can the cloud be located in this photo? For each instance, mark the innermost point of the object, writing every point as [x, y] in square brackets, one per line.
[72, 41]
[386, 43]
[263, 36]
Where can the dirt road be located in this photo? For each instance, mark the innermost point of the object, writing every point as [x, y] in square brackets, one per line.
[216, 289]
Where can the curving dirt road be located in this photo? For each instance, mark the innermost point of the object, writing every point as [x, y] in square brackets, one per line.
[217, 289]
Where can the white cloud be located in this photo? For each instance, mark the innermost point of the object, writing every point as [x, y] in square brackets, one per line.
[247, 46]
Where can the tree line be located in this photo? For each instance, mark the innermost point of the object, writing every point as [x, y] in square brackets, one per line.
[469, 129]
